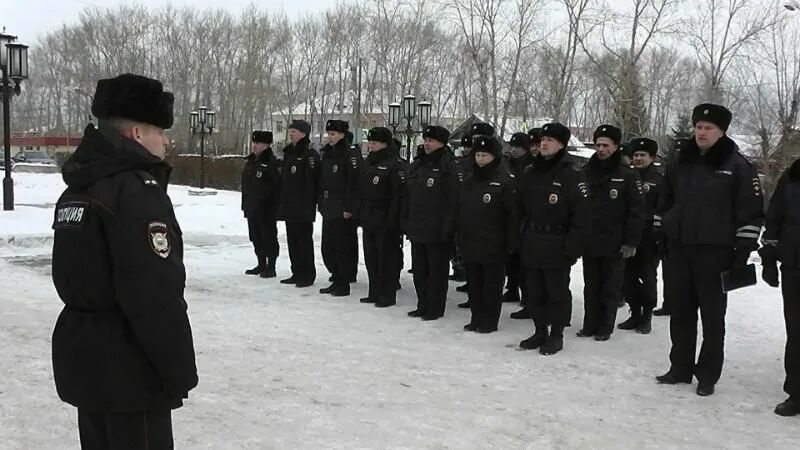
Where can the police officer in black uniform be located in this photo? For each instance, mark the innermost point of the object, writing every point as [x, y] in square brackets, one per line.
[617, 222]
[711, 215]
[486, 219]
[122, 345]
[519, 158]
[338, 204]
[459, 273]
[535, 136]
[381, 185]
[261, 181]
[641, 277]
[556, 215]
[781, 243]
[430, 185]
[298, 203]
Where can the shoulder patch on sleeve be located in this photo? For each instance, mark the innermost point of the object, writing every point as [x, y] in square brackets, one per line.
[158, 238]
[70, 215]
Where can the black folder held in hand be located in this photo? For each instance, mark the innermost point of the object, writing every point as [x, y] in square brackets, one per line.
[738, 277]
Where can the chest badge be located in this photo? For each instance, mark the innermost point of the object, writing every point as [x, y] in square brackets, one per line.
[159, 239]
[430, 182]
[646, 187]
[613, 194]
[258, 174]
[376, 180]
[553, 199]
[487, 198]
[294, 169]
[335, 168]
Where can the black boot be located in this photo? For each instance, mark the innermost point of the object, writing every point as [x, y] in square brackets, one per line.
[367, 300]
[416, 313]
[383, 302]
[554, 342]
[661, 312]
[645, 326]
[537, 340]
[328, 289]
[269, 271]
[788, 408]
[341, 290]
[290, 280]
[523, 313]
[257, 269]
[463, 288]
[673, 378]
[704, 390]
[464, 305]
[633, 321]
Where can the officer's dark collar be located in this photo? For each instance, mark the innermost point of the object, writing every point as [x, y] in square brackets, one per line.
[302, 143]
[715, 156]
[541, 161]
[611, 163]
[435, 155]
[485, 172]
[379, 155]
[794, 171]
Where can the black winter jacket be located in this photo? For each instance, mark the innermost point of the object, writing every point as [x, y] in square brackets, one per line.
[431, 183]
[261, 182]
[555, 210]
[617, 205]
[712, 199]
[299, 181]
[783, 219]
[338, 182]
[123, 341]
[381, 189]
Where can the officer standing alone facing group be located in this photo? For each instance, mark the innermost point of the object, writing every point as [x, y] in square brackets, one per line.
[338, 204]
[711, 214]
[485, 217]
[617, 221]
[298, 203]
[641, 277]
[122, 346]
[556, 217]
[430, 185]
[381, 185]
[261, 181]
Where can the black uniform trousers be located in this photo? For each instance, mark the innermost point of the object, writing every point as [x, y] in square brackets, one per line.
[694, 278]
[790, 286]
[602, 288]
[431, 264]
[380, 256]
[549, 297]
[150, 430]
[641, 280]
[340, 249]
[485, 285]
[514, 273]
[300, 241]
[262, 226]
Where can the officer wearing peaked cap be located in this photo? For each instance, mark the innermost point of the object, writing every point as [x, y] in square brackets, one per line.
[711, 214]
[261, 178]
[556, 217]
[640, 287]
[430, 185]
[122, 345]
[298, 203]
[338, 204]
[617, 222]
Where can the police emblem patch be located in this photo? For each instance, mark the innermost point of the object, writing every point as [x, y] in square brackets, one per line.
[294, 169]
[335, 168]
[613, 194]
[70, 215]
[158, 237]
[258, 174]
[430, 182]
[487, 198]
[376, 180]
[553, 199]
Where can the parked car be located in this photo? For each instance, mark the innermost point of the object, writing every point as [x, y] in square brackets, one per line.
[35, 157]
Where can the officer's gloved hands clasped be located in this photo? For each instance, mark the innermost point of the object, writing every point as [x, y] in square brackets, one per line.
[628, 251]
[769, 265]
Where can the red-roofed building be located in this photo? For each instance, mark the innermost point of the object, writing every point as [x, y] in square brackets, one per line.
[52, 145]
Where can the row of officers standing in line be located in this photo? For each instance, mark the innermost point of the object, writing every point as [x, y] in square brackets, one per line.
[529, 217]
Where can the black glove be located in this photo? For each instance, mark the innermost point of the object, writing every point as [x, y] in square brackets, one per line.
[769, 265]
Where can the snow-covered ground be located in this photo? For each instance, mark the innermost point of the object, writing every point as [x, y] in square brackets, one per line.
[286, 368]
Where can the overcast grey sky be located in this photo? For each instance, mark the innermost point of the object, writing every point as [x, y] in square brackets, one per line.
[29, 19]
